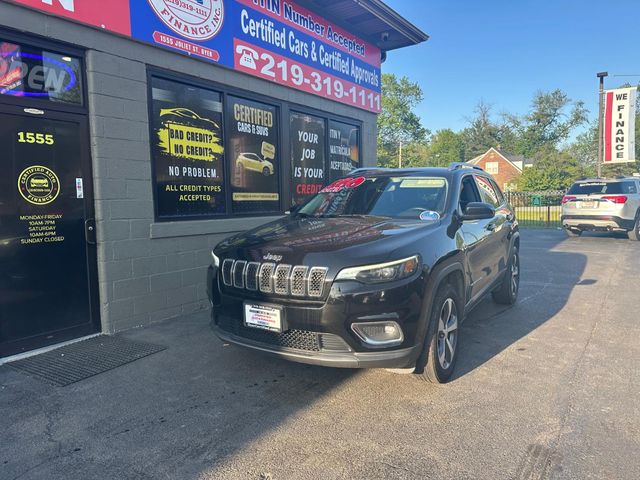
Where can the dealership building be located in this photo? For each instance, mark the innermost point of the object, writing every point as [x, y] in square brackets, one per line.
[137, 134]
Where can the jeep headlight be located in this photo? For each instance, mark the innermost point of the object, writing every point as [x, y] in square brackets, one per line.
[382, 272]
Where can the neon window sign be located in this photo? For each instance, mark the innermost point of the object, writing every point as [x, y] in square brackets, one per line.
[42, 77]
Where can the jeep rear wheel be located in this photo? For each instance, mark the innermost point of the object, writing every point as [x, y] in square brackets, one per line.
[573, 232]
[507, 294]
[266, 172]
[439, 356]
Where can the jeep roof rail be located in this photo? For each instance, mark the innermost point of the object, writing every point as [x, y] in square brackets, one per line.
[459, 165]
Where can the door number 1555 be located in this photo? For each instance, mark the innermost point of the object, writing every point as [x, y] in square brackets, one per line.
[39, 138]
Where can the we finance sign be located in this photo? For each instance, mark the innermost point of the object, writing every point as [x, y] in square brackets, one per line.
[276, 40]
[620, 129]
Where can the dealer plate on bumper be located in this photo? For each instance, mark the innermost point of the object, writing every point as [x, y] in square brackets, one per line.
[264, 317]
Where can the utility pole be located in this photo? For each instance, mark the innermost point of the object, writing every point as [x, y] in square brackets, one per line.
[601, 76]
[400, 156]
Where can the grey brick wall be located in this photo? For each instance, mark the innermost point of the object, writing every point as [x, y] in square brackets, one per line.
[149, 271]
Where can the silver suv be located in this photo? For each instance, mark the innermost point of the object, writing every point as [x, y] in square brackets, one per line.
[603, 204]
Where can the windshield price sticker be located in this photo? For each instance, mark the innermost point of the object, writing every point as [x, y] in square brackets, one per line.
[345, 183]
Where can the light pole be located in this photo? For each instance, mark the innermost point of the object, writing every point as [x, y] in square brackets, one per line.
[601, 76]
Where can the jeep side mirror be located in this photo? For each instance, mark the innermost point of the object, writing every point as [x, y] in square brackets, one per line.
[478, 211]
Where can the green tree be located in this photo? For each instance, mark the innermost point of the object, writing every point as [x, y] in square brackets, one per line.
[397, 122]
[446, 147]
[551, 120]
[482, 132]
[552, 170]
[585, 149]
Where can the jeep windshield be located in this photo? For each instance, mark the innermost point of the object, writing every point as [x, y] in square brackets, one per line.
[393, 197]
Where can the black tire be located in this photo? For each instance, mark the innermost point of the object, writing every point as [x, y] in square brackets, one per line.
[266, 172]
[507, 294]
[635, 233]
[433, 366]
[573, 232]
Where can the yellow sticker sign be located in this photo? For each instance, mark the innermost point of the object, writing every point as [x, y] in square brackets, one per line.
[38, 185]
[192, 143]
[268, 151]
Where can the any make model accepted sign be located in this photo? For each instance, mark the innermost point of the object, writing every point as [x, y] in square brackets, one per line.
[619, 125]
[276, 40]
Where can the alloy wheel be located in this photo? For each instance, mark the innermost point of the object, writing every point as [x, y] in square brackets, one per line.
[447, 333]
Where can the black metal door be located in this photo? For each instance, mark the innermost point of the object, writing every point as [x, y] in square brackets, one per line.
[48, 273]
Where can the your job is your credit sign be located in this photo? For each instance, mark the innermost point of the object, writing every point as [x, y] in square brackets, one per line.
[619, 125]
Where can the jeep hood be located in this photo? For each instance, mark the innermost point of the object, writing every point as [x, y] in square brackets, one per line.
[334, 242]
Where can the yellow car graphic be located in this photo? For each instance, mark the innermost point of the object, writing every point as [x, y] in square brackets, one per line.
[253, 162]
[39, 182]
[188, 114]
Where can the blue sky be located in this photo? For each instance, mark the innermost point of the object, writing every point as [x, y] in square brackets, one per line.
[503, 51]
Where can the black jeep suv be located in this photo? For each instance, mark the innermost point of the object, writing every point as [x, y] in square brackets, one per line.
[377, 270]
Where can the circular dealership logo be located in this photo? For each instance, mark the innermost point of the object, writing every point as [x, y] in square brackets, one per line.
[38, 185]
[194, 19]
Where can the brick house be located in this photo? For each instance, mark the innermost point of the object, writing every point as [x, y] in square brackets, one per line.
[505, 168]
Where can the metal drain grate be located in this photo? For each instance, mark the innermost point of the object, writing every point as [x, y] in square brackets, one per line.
[84, 359]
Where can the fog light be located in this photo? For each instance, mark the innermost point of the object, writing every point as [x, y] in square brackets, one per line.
[379, 334]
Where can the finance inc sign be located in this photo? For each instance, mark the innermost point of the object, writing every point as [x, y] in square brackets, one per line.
[279, 41]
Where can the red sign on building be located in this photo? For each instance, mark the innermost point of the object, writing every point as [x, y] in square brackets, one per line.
[112, 15]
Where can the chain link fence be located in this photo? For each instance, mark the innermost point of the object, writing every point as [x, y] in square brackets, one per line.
[537, 209]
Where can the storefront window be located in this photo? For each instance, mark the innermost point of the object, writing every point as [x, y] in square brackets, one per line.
[308, 139]
[188, 150]
[254, 156]
[344, 149]
[32, 72]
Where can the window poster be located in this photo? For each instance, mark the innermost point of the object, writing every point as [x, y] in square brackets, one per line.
[344, 149]
[307, 156]
[188, 150]
[254, 154]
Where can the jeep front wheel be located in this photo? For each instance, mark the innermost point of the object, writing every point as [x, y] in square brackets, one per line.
[439, 356]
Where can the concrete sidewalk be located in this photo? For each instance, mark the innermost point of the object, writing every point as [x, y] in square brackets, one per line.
[546, 389]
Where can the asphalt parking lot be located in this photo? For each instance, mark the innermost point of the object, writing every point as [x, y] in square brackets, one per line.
[546, 389]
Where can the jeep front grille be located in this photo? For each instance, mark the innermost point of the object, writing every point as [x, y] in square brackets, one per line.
[298, 280]
[266, 277]
[227, 265]
[251, 276]
[281, 279]
[298, 283]
[317, 275]
[238, 273]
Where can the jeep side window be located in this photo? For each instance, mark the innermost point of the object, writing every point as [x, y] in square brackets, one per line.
[487, 192]
[468, 193]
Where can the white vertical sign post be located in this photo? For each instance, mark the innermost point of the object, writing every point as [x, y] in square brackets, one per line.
[620, 126]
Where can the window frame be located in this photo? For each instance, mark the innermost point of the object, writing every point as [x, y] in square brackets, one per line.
[489, 180]
[475, 186]
[55, 47]
[284, 109]
[497, 169]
